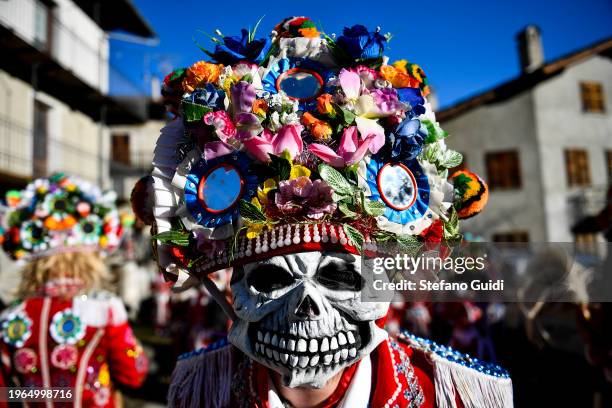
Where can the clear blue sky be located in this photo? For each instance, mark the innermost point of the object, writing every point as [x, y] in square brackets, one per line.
[463, 46]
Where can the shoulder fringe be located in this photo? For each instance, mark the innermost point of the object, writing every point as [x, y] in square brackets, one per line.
[475, 389]
[203, 378]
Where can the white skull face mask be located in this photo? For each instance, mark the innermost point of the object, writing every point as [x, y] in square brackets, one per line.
[302, 315]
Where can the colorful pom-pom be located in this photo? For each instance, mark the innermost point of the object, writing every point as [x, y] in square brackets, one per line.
[471, 193]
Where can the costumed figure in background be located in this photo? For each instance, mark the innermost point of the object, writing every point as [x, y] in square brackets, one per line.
[64, 331]
[292, 157]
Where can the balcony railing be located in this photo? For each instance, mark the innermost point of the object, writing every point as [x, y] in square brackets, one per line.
[587, 202]
[72, 40]
[16, 153]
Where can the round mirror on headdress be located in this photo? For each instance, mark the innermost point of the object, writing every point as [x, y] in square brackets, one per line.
[300, 84]
[220, 188]
[214, 187]
[397, 186]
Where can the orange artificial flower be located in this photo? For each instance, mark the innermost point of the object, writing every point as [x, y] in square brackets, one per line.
[324, 104]
[400, 65]
[397, 78]
[201, 72]
[260, 107]
[317, 127]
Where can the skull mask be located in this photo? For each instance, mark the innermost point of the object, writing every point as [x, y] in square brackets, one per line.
[302, 315]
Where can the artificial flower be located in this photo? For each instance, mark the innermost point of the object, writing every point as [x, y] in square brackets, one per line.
[398, 78]
[413, 97]
[208, 96]
[406, 141]
[288, 138]
[220, 120]
[235, 49]
[263, 192]
[318, 128]
[302, 196]
[243, 96]
[350, 151]
[360, 43]
[217, 149]
[247, 125]
[387, 101]
[324, 105]
[201, 72]
[367, 75]
[260, 107]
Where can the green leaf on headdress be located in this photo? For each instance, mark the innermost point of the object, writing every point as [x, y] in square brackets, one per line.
[344, 208]
[194, 112]
[374, 208]
[349, 117]
[354, 235]
[177, 73]
[409, 244]
[250, 212]
[451, 159]
[179, 238]
[335, 180]
[451, 227]
[434, 131]
[281, 166]
[351, 172]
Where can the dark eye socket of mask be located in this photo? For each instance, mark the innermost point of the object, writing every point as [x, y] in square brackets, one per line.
[266, 278]
[337, 276]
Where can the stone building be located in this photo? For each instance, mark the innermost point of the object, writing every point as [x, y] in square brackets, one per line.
[543, 142]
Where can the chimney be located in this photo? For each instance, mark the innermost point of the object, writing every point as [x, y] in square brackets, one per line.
[530, 49]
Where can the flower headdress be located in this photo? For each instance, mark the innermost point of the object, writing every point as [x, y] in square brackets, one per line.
[58, 214]
[300, 142]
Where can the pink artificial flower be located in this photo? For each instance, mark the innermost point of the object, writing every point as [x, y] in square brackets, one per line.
[350, 82]
[289, 138]
[302, 196]
[367, 75]
[220, 120]
[350, 151]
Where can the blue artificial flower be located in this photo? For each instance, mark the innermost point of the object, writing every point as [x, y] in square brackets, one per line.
[360, 43]
[209, 96]
[406, 140]
[413, 97]
[236, 49]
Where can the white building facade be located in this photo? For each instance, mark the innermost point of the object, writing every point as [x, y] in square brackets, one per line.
[543, 142]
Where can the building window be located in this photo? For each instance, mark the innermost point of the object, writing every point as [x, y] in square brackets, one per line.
[587, 243]
[43, 19]
[511, 236]
[40, 140]
[577, 165]
[592, 97]
[503, 170]
[121, 149]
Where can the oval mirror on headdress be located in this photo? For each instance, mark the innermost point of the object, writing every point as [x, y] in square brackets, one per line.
[220, 188]
[397, 186]
[300, 84]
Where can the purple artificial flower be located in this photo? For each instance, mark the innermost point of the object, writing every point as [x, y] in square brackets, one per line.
[302, 196]
[243, 96]
[386, 100]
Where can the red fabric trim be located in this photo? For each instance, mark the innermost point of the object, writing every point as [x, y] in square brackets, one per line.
[383, 381]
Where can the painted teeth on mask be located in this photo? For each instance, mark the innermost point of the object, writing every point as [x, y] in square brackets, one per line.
[303, 353]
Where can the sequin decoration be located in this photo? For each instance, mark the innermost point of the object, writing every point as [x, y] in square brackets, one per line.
[64, 356]
[16, 329]
[66, 327]
[25, 360]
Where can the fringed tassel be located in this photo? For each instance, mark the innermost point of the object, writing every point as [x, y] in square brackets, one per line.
[202, 378]
[475, 389]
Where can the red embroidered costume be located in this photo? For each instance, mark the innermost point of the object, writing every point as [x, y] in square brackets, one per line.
[84, 342]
